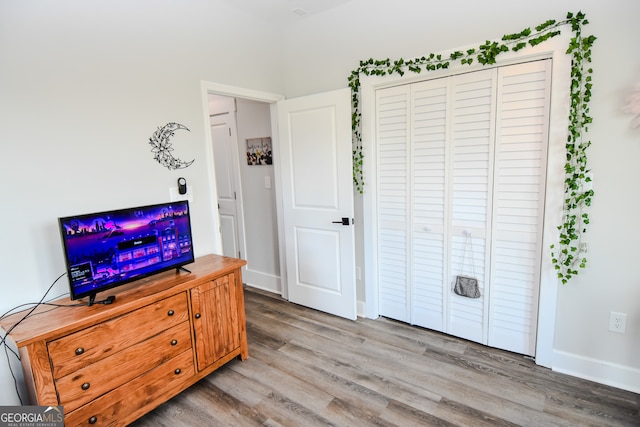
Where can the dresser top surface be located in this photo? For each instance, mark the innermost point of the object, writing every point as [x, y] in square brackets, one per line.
[49, 322]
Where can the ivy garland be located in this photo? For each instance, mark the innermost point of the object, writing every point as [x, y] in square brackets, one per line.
[578, 194]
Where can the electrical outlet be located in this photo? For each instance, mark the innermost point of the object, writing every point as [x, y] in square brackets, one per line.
[618, 322]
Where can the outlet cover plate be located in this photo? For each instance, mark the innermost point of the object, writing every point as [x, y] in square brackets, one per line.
[618, 322]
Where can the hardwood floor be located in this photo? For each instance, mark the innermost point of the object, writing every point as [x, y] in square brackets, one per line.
[307, 368]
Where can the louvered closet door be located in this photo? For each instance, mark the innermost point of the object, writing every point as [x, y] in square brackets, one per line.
[429, 135]
[461, 175]
[470, 167]
[521, 159]
[392, 118]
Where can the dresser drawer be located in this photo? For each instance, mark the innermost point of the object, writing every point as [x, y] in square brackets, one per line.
[96, 379]
[126, 403]
[81, 348]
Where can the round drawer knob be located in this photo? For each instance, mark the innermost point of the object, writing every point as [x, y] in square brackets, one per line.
[177, 371]
[85, 386]
[174, 342]
[198, 315]
[79, 351]
[93, 420]
[171, 313]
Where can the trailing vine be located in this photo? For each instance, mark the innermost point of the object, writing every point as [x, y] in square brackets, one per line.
[565, 255]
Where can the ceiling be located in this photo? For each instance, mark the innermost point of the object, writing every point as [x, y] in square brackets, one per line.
[284, 11]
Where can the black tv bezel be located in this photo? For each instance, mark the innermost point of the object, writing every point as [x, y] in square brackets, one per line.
[92, 293]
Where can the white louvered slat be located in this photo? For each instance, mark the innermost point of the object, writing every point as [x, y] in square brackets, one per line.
[392, 110]
[521, 153]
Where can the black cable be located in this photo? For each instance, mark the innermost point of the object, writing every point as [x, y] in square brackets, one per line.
[8, 331]
[10, 349]
[58, 296]
[30, 311]
[35, 306]
[9, 312]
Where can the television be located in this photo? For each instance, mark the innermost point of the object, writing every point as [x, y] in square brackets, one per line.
[103, 250]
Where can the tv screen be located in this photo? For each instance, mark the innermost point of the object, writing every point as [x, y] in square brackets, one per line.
[107, 249]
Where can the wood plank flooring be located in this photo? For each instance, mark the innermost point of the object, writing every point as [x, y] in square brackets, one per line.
[307, 368]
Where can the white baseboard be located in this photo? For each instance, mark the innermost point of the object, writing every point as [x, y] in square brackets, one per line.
[266, 282]
[611, 374]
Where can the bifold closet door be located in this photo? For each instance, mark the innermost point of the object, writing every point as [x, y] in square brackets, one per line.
[470, 170]
[434, 142]
[460, 190]
[430, 117]
[392, 121]
[522, 132]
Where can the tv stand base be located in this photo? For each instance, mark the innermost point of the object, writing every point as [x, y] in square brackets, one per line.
[109, 300]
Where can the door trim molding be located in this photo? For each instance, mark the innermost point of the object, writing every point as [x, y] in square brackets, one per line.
[239, 92]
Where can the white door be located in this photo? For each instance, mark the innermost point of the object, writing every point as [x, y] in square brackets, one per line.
[317, 196]
[470, 171]
[518, 212]
[226, 164]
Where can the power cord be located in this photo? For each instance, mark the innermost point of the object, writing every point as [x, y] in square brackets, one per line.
[8, 331]
[3, 340]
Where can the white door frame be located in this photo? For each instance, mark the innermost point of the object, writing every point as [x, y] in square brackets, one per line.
[560, 102]
[254, 95]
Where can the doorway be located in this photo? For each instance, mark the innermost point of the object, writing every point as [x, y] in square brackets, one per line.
[245, 193]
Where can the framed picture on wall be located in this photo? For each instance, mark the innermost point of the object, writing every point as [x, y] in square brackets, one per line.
[259, 151]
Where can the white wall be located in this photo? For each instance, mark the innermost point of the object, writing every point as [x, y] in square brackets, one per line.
[362, 29]
[84, 84]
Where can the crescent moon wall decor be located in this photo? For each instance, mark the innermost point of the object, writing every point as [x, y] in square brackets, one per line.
[162, 148]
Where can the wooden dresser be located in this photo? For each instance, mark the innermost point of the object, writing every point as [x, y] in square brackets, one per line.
[111, 364]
